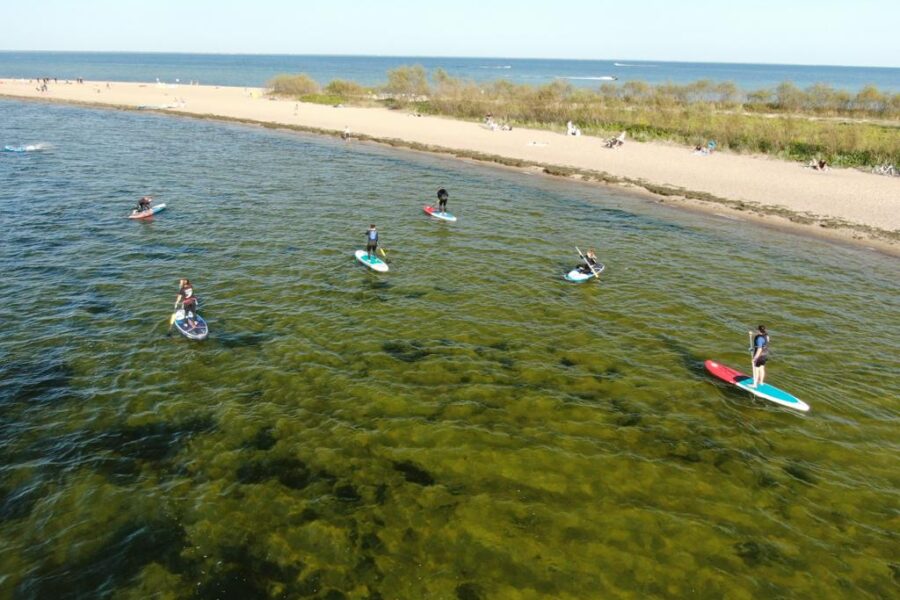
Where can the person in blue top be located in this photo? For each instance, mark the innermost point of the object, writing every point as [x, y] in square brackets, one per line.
[759, 354]
[371, 241]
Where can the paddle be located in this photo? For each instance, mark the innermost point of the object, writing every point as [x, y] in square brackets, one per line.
[588, 263]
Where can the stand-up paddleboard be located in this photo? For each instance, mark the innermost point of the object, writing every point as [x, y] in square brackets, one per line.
[765, 391]
[25, 148]
[198, 332]
[147, 213]
[374, 263]
[437, 214]
[576, 275]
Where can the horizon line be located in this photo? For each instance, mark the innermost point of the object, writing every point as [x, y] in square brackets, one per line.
[636, 60]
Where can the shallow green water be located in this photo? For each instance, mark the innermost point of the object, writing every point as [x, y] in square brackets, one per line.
[466, 426]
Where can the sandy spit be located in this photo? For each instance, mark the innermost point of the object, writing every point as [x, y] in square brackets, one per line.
[843, 203]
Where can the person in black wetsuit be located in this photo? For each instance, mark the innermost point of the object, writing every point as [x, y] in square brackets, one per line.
[371, 241]
[759, 355]
[144, 203]
[443, 196]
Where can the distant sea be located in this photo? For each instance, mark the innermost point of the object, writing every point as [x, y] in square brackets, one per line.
[255, 69]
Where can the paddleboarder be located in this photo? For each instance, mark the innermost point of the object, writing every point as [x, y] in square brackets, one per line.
[187, 299]
[371, 241]
[443, 196]
[759, 354]
[590, 262]
[591, 257]
[144, 203]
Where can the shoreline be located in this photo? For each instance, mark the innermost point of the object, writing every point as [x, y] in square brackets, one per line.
[842, 205]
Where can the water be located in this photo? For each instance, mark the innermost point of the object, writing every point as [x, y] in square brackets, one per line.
[467, 426]
[256, 70]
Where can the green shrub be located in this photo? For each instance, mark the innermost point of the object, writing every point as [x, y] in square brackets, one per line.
[293, 85]
[329, 99]
[407, 81]
[345, 89]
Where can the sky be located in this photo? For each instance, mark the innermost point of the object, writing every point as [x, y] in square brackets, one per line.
[825, 32]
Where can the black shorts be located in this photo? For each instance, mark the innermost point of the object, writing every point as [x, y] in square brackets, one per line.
[371, 246]
[761, 361]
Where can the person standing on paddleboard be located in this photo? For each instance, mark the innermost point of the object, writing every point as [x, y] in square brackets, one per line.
[187, 299]
[443, 196]
[760, 354]
[371, 241]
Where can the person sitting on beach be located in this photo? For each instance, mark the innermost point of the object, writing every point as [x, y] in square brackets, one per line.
[371, 241]
[443, 196]
[144, 203]
[345, 135]
[710, 146]
[821, 165]
[572, 129]
[617, 141]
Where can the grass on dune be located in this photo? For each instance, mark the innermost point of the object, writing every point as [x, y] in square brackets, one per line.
[846, 129]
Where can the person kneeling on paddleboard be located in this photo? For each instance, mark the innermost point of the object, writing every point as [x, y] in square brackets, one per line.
[187, 299]
[144, 203]
[591, 258]
[371, 241]
[443, 196]
[760, 355]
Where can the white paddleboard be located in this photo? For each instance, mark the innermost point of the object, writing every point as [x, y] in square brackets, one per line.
[374, 263]
[577, 276]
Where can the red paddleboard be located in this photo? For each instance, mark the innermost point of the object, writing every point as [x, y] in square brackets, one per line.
[745, 382]
[147, 213]
[444, 216]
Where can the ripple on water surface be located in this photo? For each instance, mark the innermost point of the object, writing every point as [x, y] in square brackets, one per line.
[467, 426]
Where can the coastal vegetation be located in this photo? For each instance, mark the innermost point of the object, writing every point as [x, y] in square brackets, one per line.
[293, 85]
[858, 129]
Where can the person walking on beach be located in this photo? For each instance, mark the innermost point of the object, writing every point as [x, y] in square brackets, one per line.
[760, 354]
[371, 241]
[443, 196]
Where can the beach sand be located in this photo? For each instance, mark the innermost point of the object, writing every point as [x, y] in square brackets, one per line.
[846, 202]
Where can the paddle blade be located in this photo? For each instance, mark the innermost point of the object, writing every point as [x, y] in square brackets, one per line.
[172, 320]
[382, 252]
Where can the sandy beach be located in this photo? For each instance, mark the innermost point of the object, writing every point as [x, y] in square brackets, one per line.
[846, 202]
